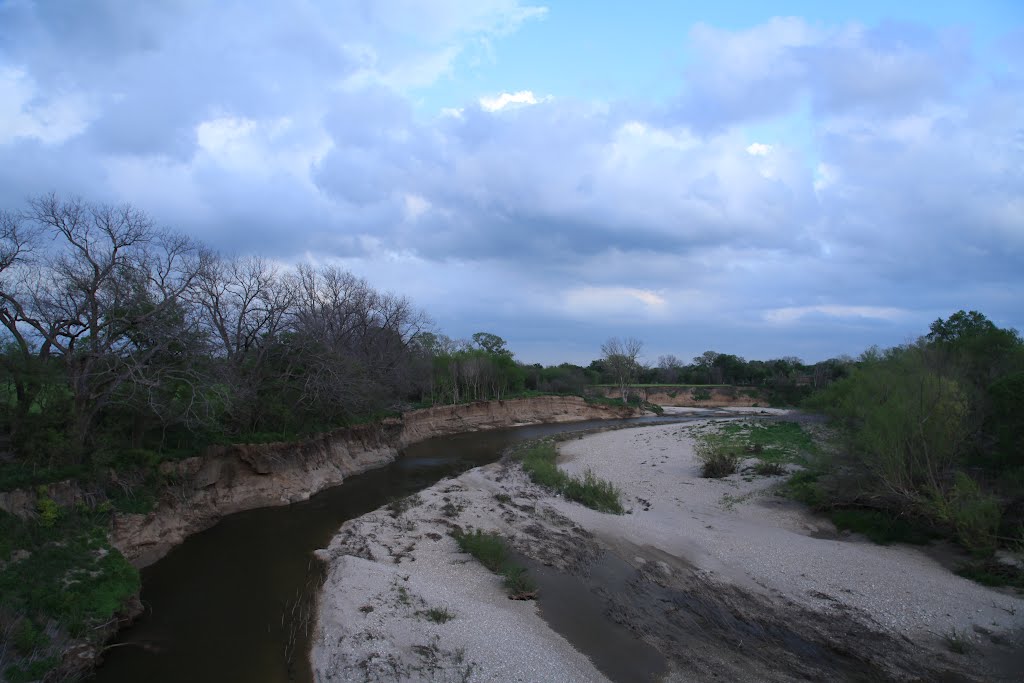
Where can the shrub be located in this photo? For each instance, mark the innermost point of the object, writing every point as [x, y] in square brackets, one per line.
[700, 394]
[769, 469]
[717, 460]
[974, 515]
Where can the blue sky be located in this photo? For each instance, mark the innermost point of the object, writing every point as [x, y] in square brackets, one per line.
[808, 179]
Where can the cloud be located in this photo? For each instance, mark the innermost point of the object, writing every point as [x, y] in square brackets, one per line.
[523, 97]
[584, 302]
[792, 314]
[767, 70]
[877, 169]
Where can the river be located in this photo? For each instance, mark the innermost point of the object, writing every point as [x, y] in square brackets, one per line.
[233, 603]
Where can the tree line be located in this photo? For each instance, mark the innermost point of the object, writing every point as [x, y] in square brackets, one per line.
[121, 334]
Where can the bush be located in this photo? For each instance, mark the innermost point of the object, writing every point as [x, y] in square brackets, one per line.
[700, 394]
[717, 459]
[769, 469]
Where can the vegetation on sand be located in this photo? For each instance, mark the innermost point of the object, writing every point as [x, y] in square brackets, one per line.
[491, 551]
[538, 461]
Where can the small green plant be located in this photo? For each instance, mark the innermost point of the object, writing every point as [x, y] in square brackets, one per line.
[49, 511]
[438, 615]
[503, 498]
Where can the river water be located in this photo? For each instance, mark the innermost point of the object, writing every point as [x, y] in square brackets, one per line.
[233, 603]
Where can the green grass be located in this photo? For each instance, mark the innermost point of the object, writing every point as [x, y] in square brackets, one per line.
[803, 487]
[538, 462]
[782, 442]
[492, 552]
[438, 615]
[62, 571]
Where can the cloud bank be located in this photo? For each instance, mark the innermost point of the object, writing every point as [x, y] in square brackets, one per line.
[810, 189]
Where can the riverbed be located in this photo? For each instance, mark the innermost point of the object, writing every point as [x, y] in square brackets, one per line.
[704, 580]
[234, 603]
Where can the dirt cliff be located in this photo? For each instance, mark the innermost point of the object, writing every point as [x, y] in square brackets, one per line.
[227, 479]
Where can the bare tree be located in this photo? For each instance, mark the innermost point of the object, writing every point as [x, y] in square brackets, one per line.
[620, 360]
[245, 305]
[669, 366]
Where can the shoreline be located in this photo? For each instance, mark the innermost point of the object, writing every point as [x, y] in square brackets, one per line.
[761, 589]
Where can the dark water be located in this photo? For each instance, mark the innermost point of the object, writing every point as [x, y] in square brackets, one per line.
[229, 604]
[573, 607]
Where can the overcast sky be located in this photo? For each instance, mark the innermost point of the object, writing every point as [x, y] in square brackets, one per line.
[805, 182]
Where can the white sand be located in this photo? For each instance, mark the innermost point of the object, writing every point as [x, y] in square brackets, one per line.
[732, 530]
[736, 529]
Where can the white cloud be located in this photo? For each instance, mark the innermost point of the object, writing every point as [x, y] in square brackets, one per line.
[25, 112]
[759, 149]
[523, 97]
[792, 314]
[595, 300]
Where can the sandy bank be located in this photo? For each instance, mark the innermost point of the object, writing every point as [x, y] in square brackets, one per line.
[726, 581]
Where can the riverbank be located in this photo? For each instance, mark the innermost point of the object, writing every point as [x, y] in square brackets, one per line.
[722, 577]
[224, 480]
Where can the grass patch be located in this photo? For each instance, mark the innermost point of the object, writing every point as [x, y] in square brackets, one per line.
[492, 552]
[783, 442]
[60, 578]
[538, 462]
[881, 527]
[769, 469]
[438, 615]
[774, 444]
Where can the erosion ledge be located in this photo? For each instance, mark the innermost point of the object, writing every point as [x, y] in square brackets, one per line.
[228, 479]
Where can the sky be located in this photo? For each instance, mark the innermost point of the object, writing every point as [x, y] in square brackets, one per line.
[806, 180]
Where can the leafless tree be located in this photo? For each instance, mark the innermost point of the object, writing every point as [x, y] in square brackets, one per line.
[104, 296]
[669, 366]
[620, 360]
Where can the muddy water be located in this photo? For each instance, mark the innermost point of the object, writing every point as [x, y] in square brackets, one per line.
[233, 602]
